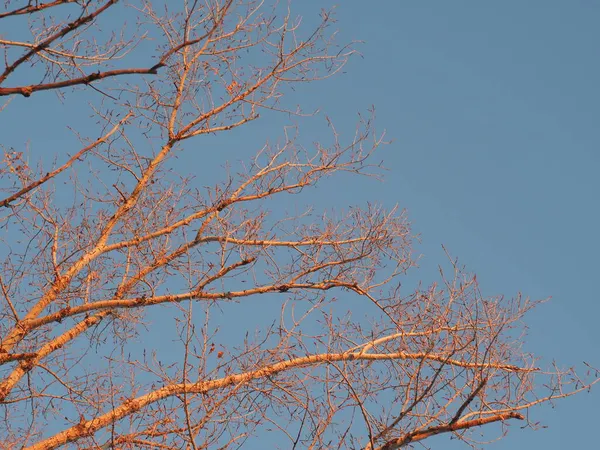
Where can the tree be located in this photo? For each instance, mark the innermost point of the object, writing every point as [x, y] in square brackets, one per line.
[113, 241]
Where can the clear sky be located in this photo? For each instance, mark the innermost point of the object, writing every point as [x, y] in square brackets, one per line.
[494, 108]
[494, 111]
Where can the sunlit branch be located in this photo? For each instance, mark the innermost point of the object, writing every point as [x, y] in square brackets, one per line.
[419, 435]
[59, 34]
[129, 407]
[7, 201]
[30, 8]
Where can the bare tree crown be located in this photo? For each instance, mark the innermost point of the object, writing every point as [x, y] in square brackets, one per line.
[109, 242]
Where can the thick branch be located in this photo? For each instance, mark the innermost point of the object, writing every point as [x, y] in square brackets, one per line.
[88, 428]
[419, 435]
[27, 364]
[59, 34]
[30, 9]
[26, 91]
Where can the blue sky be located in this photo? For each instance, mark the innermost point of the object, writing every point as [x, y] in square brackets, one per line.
[493, 109]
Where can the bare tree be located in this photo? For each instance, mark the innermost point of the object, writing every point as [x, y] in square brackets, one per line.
[101, 248]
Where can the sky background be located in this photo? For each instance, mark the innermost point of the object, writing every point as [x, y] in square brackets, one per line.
[494, 108]
[494, 112]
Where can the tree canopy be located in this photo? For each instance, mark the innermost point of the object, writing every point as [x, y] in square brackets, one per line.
[119, 240]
